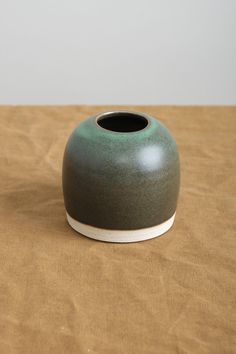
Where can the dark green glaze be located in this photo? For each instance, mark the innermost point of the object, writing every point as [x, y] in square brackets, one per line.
[121, 180]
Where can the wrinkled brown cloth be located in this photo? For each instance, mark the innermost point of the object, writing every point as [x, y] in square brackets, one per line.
[61, 292]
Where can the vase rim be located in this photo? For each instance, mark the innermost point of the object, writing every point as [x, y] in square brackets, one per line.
[114, 113]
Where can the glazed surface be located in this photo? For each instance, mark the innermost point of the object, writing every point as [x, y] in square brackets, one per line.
[122, 181]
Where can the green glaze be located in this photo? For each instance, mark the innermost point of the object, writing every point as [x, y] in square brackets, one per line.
[121, 180]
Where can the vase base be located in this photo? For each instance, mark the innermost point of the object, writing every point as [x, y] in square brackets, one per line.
[120, 236]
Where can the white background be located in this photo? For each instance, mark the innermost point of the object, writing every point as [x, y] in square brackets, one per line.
[118, 52]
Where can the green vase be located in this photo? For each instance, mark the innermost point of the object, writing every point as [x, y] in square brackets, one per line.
[121, 177]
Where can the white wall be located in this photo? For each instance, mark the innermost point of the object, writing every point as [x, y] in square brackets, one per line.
[118, 52]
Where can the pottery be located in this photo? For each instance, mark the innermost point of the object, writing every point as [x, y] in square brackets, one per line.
[121, 177]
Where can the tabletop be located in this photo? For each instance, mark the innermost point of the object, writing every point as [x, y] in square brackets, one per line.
[61, 292]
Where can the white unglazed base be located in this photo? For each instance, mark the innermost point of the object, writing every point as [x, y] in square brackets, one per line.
[122, 236]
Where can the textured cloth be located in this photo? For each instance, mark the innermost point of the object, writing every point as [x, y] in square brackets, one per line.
[61, 292]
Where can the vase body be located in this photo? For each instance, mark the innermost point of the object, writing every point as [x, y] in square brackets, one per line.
[121, 177]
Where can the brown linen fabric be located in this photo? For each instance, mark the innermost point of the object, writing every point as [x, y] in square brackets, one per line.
[61, 292]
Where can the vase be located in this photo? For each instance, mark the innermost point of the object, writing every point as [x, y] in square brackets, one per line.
[121, 177]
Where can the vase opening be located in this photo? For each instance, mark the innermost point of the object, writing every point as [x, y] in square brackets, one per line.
[123, 122]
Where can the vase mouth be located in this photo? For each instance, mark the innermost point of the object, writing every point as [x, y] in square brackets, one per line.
[122, 121]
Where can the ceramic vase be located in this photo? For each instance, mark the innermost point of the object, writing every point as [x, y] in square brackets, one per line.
[121, 177]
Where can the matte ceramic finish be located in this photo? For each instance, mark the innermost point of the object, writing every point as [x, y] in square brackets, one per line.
[123, 236]
[121, 180]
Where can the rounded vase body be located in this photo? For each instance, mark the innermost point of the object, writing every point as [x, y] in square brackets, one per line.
[121, 177]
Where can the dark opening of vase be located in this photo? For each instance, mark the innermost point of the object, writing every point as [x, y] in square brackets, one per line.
[124, 122]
